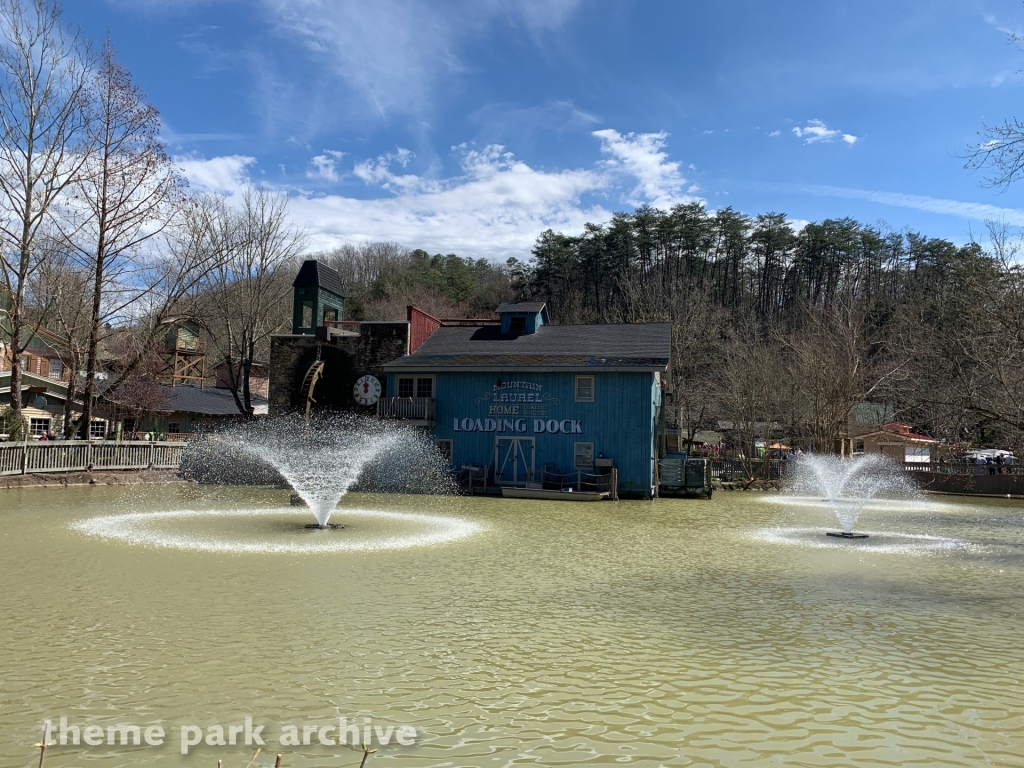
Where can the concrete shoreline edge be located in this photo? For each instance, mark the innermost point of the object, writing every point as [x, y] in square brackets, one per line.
[104, 477]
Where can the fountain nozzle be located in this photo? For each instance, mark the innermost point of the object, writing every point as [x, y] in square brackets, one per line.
[846, 535]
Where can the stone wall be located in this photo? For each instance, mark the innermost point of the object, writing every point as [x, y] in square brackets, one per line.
[345, 359]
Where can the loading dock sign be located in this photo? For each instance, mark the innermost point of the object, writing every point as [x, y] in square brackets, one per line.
[540, 426]
[510, 403]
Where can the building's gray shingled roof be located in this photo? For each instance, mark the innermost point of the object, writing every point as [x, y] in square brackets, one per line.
[523, 306]
[209, 401]
[314, 274]
[553, 346]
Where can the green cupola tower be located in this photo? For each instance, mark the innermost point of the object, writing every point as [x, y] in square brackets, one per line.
[319, 298]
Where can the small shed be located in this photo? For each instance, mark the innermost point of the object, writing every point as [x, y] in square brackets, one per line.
[898, 441]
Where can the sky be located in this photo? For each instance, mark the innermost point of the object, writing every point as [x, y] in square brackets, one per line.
[471, 126]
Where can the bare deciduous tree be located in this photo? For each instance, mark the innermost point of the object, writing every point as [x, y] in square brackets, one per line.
[173, 268]
[124, 200]
[44, 77]
[61, 289]
[834, 367]
[752, 391]
[974, 373]
[245, 297]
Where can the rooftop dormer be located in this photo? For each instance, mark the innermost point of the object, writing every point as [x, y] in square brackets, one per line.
[523, 318]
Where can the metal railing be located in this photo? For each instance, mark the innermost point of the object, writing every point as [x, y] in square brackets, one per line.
[419, 408]
[579, 480]
[83, 455]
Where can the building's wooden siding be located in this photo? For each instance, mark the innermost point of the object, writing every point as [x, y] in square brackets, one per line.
[621, 421]
[421, 325]
[320, 300]
[532, 321]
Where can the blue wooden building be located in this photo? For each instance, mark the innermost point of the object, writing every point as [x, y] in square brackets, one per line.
[521, 396]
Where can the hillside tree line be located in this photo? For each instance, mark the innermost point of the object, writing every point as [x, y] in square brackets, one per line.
[784, 333]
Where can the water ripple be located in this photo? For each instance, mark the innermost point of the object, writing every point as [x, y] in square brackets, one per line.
[141, 528]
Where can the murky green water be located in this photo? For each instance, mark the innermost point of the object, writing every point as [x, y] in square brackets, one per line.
[668, 633]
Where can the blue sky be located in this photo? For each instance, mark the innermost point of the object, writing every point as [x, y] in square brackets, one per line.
[470, 126]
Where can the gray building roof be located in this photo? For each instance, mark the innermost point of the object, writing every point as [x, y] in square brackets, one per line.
[523, 306]
[313, 274]
[209, 401]
[643, 347]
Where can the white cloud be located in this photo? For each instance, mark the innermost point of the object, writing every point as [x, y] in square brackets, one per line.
[500, 119]
[975, 211]
[641, 155]
[382, 60]
[379, 171]
[495, 207]
[225, 174]
[534, 14]
[325, 166]
[391, 52]
[816, 131]
[992, 21]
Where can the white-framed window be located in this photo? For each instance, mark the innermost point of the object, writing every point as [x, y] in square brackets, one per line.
[56, 368]
[98, 429]
[419, 386]
[444, 447]
[425, 386]
[39, 427]
[582, 455]
[584, 389]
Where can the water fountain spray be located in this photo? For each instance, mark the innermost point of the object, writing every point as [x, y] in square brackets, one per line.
[847, 484]
[321, 458]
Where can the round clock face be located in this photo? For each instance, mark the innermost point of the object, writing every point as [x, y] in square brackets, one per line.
[367, 390]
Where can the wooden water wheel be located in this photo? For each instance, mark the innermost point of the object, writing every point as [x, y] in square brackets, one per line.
[309, 384]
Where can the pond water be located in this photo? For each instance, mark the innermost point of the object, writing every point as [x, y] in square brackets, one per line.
[674, 632]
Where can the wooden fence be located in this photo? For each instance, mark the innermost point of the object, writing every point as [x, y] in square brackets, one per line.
[729, 470]
[733, 469]
[85, 455]
[960, 468]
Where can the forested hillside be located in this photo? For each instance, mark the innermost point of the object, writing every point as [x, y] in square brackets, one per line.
[796, 327]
